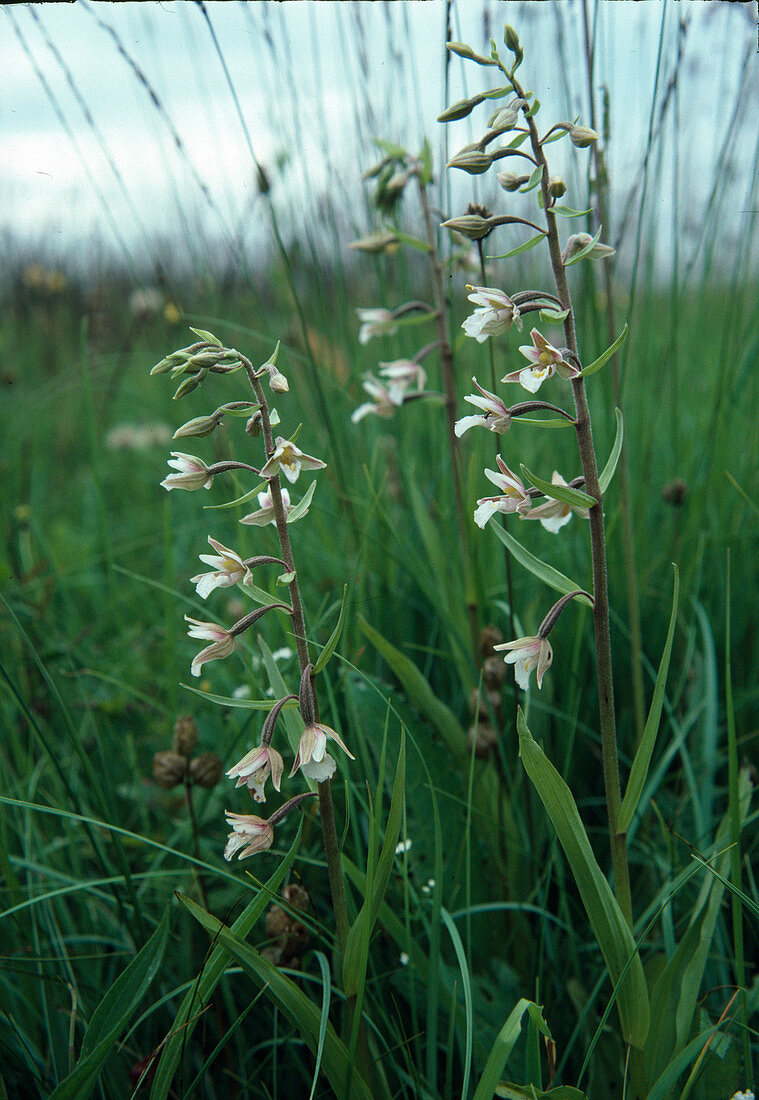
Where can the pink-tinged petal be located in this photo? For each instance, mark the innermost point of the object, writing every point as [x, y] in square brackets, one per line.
[545, 660]
[334, 736]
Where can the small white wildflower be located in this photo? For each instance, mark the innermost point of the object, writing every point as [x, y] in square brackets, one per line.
[402, 846]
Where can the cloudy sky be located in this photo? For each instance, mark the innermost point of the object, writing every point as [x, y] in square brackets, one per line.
[123, 123]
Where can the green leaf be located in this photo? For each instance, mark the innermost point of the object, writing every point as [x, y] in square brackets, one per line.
[324, 1018]
[550, 422]
[611, 930]
[285, 579]
[413, 242]
[228, 701]
[609, 469]
[211, 971]
[520, 248]
[397, 152]
[501, 1052]
[546, 573]
[639, 769]
[299, 510]
[604, 358]
[419, 691]
[238, 500]
[535, 178]
[575, 497]
[584, 251]
[527, 1092]
[553, 316]
[334, 637]
[355, 960]
[534, 108]
[112, 1016]
[207, 337]
[567, 211]
[466, 982]
[292, 1002]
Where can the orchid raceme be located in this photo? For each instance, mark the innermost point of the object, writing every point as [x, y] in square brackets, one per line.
[255, 769]
[290, 460]
[526, 654]
[312, 757]
[495, 415]
[497, 313]
[384, 402]
[554, 514]
[192, 473]
[228, 568]
[223, 643]
[546, 360]
[513, 496]
[375, 322]
[250, 834]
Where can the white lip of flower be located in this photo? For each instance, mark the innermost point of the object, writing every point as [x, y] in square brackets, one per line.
[265, 513]
[192, 473]
[546, 360]
[514, 497]
[255, 768]
[375, 322]
[498, 313]
[525, 654]
[401, 374]
[312, 757]
[555, 514]
[228, 568]
[384, 402]
[495, 415]
[251, 834]
[290, 460]
[223, 642]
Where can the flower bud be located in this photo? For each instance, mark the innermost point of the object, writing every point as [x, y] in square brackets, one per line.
[582, 136]
[206, 770]
[462, 50]
[277, 381]
[556, 187]
[460, 109]
[169, 769]
[190, 383]
[506, 117]
[511, 39]
[200, 425]
[475, 163]
[254, 426]
[171, 362]
[510, 181]
[185, 735]
[473, 226]
[379, 242]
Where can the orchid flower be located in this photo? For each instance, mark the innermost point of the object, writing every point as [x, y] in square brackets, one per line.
[513, 496]
[255, 768]
[498, 313]
[312, 757]
[223, 642]
[250, 833]
[290, 460]
[228, 568]
[265, 513]
[525, 654]
[400, 374]
[546, 360]
[495, 415]
[554, 514]
[375, 322]
[383, 401]
[192, 473]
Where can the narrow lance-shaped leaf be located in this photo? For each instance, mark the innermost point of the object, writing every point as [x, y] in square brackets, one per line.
[563, 493]
[501, 1051]
[606, 355]
[584, 251]
[612, 932]
[520, 248]
[610, 468]
[546, 573]
[639, 770]
[334, 637]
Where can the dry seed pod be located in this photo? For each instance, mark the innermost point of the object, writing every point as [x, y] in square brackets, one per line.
[206, 770]
[483, 738]
[169, 769]
[494, 672]
[185, 735]
[489, 636]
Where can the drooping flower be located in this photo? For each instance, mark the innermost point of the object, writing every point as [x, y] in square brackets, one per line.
[383, 401]
[223, 643]
[525, 654]
[400, 375]
[265, 513]
[255, 768]
[554, 514]
[290, 460]
[513, 496]
[375, 322]
[250, 834]
[495, 415]
[229, 568]
[192, 473]
[312, 757]
[497, 313]
[546, 360]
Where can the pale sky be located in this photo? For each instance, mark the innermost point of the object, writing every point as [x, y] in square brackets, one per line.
[88, 160]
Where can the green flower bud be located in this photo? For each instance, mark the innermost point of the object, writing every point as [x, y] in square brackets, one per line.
[472, 162]
[509, 181]
[200, 425]
[556, 187]
[582, 136]
[379, 242]
[511, 39]
[460, 109]
[190, 383]
[472, 226]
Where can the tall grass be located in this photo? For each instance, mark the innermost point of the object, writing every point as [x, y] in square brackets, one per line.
[480, 909]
